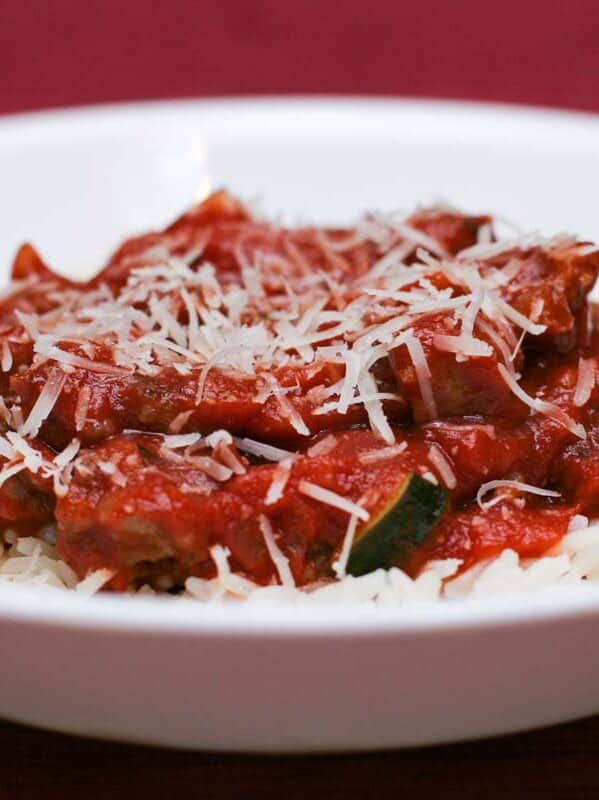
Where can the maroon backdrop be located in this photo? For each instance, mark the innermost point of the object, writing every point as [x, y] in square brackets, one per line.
[58, 52]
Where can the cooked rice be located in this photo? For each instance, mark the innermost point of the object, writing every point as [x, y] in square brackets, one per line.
[33, 561]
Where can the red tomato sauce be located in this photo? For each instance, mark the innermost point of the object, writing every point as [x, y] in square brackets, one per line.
[351, 359]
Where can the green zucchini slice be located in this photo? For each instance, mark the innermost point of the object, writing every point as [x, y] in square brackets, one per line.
[402, 526]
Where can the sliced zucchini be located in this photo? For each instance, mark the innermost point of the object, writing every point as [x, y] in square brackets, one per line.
[402, 526]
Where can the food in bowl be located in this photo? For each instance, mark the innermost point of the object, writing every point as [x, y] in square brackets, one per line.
[405, 408]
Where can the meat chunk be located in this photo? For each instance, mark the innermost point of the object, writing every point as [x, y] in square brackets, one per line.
[27, 496]
[94, 405]
[453, 231]
[551, 286]
[554, 380]
[37, 289]
[576, 470]
[479, 450]
[224, 233]
[134, 507]
[459, 386]
[26, 502]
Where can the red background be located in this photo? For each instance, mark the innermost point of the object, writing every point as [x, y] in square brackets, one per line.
[59, 52]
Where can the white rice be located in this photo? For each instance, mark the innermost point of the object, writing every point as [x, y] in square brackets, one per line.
[575, 560]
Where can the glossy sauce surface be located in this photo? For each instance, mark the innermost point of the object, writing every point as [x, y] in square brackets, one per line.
[151, 512]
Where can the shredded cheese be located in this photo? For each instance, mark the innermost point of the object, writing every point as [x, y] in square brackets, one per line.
[280, 478]
[423, 375]
[505, 484]
[82, 407]
[176, 312]
[463, 345]
[6, 363]
[261, 449]
[371, 456]
[443, 466]
[585, 382]
[333, 499]
[340, 564]
[278, 558]
[177, 315]
[44, 404]
[322, 447]
[543, 407]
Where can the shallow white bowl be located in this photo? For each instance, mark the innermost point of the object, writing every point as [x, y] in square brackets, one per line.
[261, 678]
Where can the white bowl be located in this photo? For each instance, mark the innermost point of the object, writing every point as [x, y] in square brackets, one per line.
[261, 678]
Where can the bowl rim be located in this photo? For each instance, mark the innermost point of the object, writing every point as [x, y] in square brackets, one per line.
[58, 120]
[142, 615]
[55, 608]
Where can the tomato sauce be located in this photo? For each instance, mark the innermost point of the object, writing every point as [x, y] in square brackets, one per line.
[227, 371]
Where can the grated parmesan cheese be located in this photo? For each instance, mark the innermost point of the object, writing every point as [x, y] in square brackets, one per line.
[370, 456]
[278, 558]
[177, 313]
[280, 478]
[506, 484]
[82, 407]
[423, 375]
[443, 466]
[322, 447]
[463, 345]
[6, 363]
[261, 449]
[333, 499]
[585, 382]
[340, 565]
[543, 407]
[44, 404]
